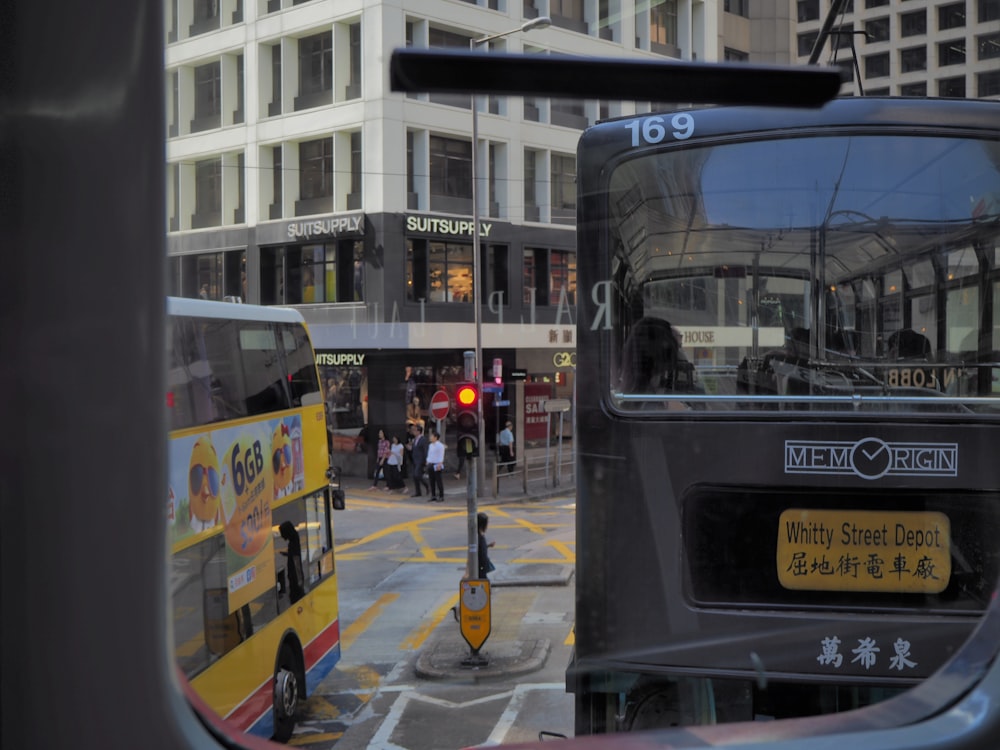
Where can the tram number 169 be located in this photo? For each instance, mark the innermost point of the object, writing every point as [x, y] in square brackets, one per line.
[649, 130]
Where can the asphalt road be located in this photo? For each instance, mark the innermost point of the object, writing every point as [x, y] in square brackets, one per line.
[401, 681]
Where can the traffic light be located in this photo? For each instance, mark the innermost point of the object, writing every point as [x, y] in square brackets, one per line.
[467, 400]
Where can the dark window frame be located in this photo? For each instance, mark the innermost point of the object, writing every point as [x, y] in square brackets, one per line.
[207, 193]
[207, 96]
[877, 66]
[315, 71]
[988, 46]
[807, 10]
[951, 16]
[913, 59]
[563, 187]
[913, 23]
[316, 169]
[877, 30]
[450, 167]
[951, 52]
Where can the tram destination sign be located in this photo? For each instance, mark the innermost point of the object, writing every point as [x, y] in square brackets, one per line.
[863, 550]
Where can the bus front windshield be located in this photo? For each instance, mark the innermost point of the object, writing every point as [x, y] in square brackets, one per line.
[843, 271]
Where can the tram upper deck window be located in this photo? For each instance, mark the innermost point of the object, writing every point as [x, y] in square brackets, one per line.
[803, 273]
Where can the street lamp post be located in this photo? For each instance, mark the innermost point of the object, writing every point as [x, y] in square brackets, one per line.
[477, 294]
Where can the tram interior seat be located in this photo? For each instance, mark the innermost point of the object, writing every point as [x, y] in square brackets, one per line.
[652, 361]
[844, 342]
[771, 374]
[907, 344]
[797, 345]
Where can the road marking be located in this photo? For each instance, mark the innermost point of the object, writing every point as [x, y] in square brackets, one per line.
[353, 550]
[359, 503]
[395, 528]
[319, 707]
[567, 556]
[544, 618]
[510, 714]
[428, 554]
[420, 634]
[301, 740]
[356, 628]
[535, 528]
[392, 719]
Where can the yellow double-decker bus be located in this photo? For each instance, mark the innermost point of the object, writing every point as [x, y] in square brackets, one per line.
[253, 583]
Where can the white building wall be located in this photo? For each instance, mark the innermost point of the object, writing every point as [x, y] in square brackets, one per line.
[384, 117]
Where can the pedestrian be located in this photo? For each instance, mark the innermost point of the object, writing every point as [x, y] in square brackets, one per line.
[461, 465]
[293, 561]
[381, 456]
[435, 467]
[407, 468]
[485, 564]
[507, 447]
[419, 455]
[394, 466]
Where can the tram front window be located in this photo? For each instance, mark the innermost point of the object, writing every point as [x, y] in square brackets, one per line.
[842, 268]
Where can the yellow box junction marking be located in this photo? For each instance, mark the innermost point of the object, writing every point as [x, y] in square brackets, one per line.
[350, 634]
[420, 634]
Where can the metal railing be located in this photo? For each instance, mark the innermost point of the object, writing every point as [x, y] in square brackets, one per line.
[546, 468]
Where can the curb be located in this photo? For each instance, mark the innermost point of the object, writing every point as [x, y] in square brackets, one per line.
[443, 659]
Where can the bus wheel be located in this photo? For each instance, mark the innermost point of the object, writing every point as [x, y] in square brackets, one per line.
[286, 695]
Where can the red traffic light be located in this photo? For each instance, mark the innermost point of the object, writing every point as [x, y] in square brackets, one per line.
[466, 396]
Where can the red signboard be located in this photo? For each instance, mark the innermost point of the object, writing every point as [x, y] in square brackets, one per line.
[535, 418]
[439, 405]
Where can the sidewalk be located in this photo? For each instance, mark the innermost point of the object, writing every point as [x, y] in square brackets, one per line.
[515, 646]
[511, 487]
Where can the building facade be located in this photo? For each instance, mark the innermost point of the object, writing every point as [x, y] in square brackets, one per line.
[296, 177]
[946, 48]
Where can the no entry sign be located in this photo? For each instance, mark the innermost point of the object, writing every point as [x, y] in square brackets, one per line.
[439, 405]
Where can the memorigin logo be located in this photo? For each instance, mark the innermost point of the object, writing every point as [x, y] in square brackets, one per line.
[871, 458]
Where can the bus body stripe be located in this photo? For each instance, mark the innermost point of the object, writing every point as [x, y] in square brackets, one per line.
[254, 714]
[321, 654]
[252, 709]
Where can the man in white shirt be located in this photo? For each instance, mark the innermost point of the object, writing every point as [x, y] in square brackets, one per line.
[507, 447]
[435, 467]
